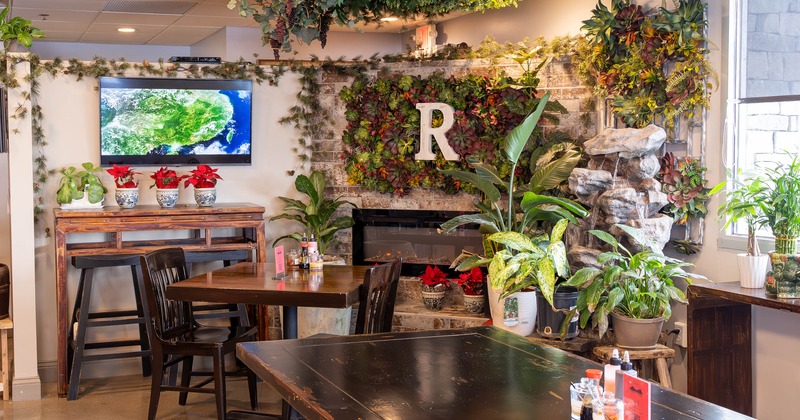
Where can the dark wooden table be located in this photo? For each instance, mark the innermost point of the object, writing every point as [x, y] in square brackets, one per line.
[475, 373]
[336, 286]
[719, 353]
[200, 222]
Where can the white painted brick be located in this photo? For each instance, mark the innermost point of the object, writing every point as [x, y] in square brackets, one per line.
[787, 141]
[790, 108]
[768, 123]
[775, 66]
[766, 6]
[759, 87]
[760, 41]
[763, 108]
[758, 142]
[768, 23]
[790, 24]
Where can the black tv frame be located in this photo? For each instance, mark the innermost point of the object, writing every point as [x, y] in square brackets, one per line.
[177, 83]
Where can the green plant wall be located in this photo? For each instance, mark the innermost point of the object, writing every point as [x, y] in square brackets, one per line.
[383, 128]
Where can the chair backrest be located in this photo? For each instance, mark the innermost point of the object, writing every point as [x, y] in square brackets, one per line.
[378, 294]
[160, 268]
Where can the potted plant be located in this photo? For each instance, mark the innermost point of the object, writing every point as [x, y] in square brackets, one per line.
[127, 187]
[166, 182]
[204, 179]
[745, 201]
[471, 283]
[17, 29]
[316, 216]
[80, 189]
[519, 254]
[434, 283]
[636, 290]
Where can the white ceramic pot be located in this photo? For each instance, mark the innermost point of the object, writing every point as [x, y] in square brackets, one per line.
[127, 198]
[167, 197]
[518, 317]
[473, 303]
[82, 204]
[205, 197]
[433, 300]
[752, 270]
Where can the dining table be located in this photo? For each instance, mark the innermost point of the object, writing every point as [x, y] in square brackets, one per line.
[335, 286]
[472, 373]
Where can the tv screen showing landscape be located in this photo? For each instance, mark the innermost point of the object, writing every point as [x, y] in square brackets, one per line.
[175, 121]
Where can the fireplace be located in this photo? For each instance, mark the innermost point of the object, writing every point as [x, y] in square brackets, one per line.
[381, 235]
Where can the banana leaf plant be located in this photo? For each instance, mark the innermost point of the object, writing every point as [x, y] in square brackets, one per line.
[517, 253]
[316, 215]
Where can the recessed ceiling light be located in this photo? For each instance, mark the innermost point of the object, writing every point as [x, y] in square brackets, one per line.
[388, 19]
[126, 30]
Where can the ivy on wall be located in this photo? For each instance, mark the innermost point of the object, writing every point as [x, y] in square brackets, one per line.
[383, 127]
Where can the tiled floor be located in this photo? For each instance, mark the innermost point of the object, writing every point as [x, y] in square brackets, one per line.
[128, 397]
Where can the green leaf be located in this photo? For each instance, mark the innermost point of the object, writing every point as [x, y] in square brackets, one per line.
[558, 230]
[515, 240]
[554, 173]
[605, 237]
[558, 253]
[583, 276]
[518, 137]
[546, 279]
[486, 187]
[464, 219]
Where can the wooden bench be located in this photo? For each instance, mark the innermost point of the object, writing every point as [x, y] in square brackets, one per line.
[660, 354]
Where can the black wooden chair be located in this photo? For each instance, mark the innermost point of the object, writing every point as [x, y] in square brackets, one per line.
[176, 337]
[378, 293]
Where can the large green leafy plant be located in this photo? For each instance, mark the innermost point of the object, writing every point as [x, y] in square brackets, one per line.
[317, 215]
[652, 63]
[781, 203]
[311, 20]
[744, 201]
[636, 285]
[518, 252]
[17, 29]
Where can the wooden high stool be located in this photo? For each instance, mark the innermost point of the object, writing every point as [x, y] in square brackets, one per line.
[5, 326]
[659, 355]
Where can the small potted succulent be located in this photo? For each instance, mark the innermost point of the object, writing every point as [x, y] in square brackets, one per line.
[471, 283]
[127, 187]
[434, 284]
[80, 189]
[166, 183]
[204, 179]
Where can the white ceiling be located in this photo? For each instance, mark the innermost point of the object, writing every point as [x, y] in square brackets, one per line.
[157, 22]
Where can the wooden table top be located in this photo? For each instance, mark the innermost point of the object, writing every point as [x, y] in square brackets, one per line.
[336, 286]
[156, 210]
[733, 291]
[475, 373]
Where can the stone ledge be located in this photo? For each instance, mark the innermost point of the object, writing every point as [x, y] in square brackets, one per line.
[415, 317]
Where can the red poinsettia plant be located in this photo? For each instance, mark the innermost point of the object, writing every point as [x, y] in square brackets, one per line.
[123, 176]
[202, 177]
[166, 178]
[434, 280]
[472, 282]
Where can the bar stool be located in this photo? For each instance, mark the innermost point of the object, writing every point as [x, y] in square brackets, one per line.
[660, 354]
[83, 318]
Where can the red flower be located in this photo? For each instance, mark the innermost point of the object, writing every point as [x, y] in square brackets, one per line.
[166, 178]
[123, 176]
[202, 177]
[472, 282]
[434, 276]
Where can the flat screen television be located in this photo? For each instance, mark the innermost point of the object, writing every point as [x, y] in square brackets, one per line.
[145, 121]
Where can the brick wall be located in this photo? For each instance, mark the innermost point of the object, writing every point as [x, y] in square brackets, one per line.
[772, 47]
[558, 77]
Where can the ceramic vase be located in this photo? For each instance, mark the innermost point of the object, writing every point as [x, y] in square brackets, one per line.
[634, 333]
[783, 280]
[205, 197]
[433, 300]
[167, 197]
[751, 270]
[474, 303]
[127, 198]
[515, 313]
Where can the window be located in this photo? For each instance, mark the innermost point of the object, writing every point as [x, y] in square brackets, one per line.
[764, 111]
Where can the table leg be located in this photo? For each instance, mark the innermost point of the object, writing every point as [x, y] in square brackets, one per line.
[289, 322]
[61, 312]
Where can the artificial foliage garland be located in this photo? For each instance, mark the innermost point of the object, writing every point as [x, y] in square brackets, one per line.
[652, 63]
[311, 20]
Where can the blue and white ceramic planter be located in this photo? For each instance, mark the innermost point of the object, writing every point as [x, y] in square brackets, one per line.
[127, 198]
[167, 197]
[205, 197]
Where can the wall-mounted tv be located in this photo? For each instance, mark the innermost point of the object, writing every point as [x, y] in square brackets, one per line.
[146, 121]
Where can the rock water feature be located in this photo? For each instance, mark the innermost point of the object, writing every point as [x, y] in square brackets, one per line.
[620, 187]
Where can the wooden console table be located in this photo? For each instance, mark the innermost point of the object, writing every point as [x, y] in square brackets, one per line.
[719, 362]
[114, 221]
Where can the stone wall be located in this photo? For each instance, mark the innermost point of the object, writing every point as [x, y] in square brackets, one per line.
[773, 28]
[769, 129]
[559, 77]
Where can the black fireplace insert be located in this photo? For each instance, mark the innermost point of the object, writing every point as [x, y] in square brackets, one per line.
[380, 235]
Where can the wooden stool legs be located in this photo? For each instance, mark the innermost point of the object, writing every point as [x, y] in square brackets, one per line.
[5, 326]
